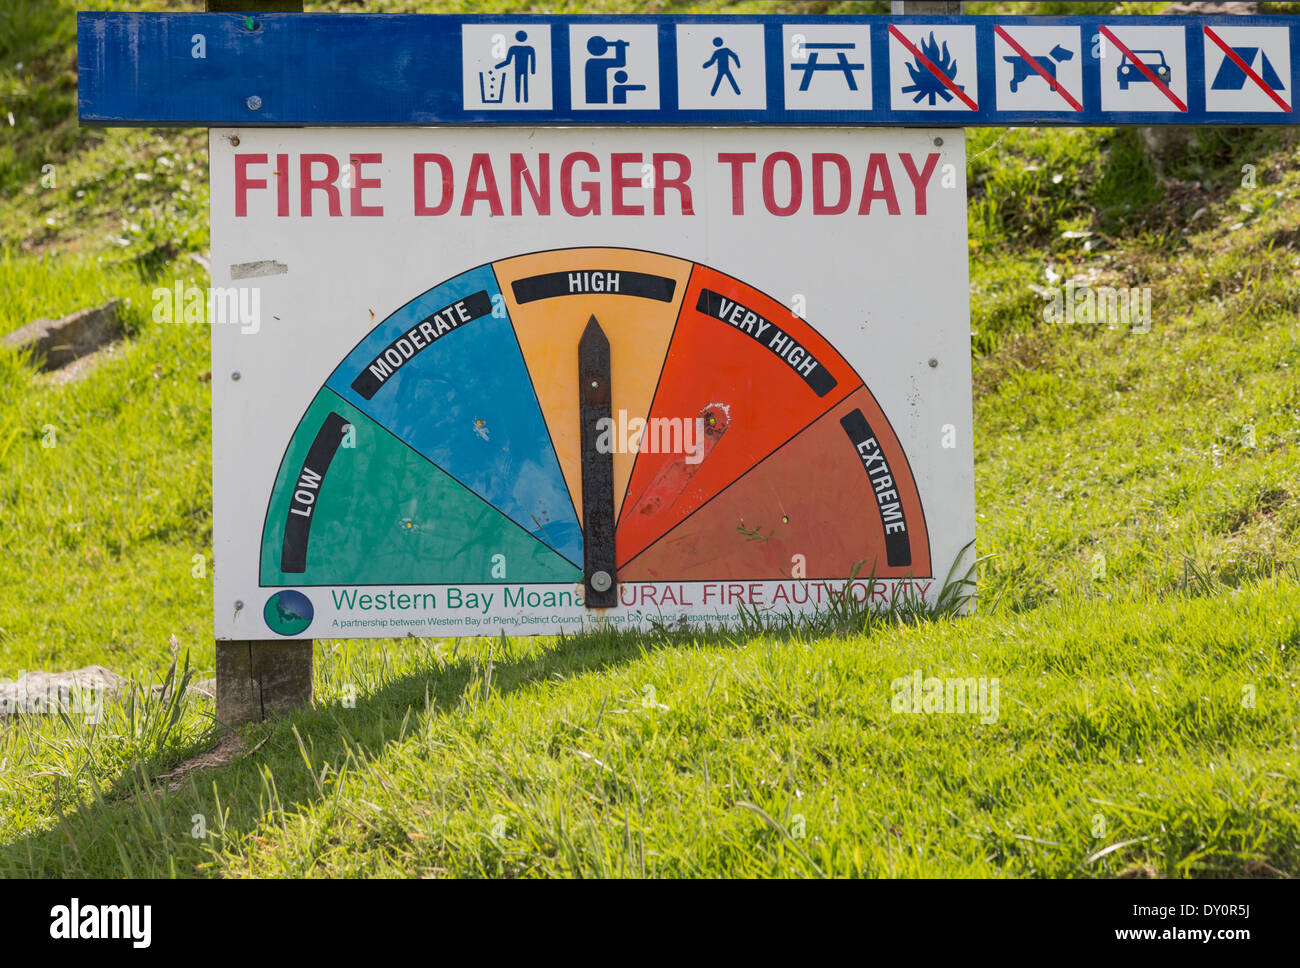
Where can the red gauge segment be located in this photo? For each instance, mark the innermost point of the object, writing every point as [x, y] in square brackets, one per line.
[839, 496]
[742, 376]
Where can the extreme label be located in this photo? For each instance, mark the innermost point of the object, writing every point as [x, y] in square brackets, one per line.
[898, 549]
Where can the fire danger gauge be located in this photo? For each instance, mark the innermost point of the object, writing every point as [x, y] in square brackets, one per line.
[720, 400]
[531, 379]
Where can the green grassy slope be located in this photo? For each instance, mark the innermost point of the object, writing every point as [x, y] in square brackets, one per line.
[1139, 494]
[1166, 727]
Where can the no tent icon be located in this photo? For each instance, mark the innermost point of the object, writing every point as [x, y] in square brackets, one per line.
[1253, 69]
[1232, 72]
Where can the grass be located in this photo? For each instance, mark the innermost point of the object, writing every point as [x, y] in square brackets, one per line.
[1140, 595]
[1168, 727]
[106, 490]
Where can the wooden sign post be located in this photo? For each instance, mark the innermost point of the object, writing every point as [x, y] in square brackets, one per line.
[260, 678]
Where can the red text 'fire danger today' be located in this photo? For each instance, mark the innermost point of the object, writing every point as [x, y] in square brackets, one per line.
[580, 183]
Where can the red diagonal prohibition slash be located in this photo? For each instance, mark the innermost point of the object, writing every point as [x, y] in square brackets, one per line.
[1245, 69]
[928, 65]
[1042, 71]
[1144, 69]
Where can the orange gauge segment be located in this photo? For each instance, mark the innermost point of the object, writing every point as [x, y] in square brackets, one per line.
[635, 295]
[743, 376]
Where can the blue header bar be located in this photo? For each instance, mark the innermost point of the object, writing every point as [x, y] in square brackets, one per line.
[286, 70]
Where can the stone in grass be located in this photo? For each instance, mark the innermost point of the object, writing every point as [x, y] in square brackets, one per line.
[78, 691]
[81, 690]
[57, 342]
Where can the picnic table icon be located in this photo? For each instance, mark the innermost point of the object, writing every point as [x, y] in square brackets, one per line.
[841, 64]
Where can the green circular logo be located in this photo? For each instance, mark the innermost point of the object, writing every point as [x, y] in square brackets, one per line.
[288, 612]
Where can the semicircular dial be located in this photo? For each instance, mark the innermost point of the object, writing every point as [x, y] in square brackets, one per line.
[446, 447]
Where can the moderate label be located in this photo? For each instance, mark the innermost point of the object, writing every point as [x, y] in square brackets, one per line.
[420, 337]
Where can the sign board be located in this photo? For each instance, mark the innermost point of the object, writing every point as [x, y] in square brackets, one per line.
[610, 311]
[685, 70]
[403, 435]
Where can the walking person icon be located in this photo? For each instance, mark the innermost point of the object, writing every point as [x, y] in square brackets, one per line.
[721, 59]
[596, 71]
[522, 59]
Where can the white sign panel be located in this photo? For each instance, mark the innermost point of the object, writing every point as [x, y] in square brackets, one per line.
[932, 68]
[1143, 68]
[397, 438]
[1247, 68]
[828, 68]
[1039, 68]
[721, 67]
[614, 66]
[507, 67]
